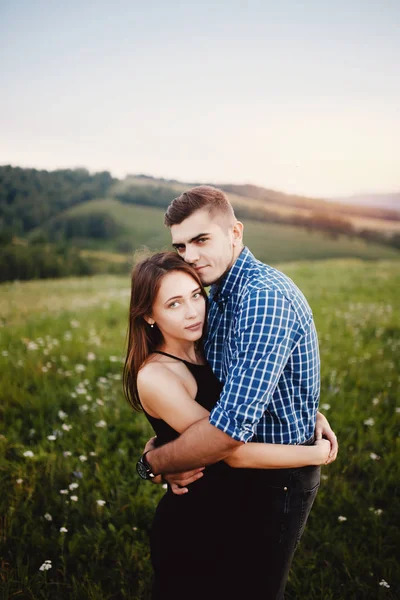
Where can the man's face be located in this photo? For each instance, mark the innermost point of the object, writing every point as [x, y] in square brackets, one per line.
[204, 242]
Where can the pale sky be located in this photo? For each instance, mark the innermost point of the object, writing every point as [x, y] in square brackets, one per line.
[300, 97]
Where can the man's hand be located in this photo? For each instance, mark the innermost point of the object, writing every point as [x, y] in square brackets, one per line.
[324, 430]
[177, 481]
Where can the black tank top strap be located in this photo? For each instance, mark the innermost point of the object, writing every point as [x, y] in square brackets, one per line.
[177, 358]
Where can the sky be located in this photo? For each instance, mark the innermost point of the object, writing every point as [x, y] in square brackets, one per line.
[299, 97]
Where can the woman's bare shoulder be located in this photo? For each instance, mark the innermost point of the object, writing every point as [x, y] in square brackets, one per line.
[155, 370]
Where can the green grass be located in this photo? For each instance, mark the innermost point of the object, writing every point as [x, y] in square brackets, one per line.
[143, 226]
[61, 349]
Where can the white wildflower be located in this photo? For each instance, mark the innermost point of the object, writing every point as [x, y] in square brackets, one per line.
[99, 402]
[165, 486]
[375, 401]
[80, 368]
[66, 427]
[91, 356]
[93, 453]
[83, 408]
[370, 422]
[398, 409]
[73, 486]
[44, 369]
[341, 519]
[374, 456]
[51, 438]
[46, 565]
[134, 528]
[32, 346]
[48, 517]
[28, 453]
[74, 323]
[113, 359]
[62, 415]
[384, 584]
[63, 530]
[74, 498]
[19, 481]
[4, 353]
[64, 492]
[101, 502]
[67, 453]
[82, 458]
[101, 423]
[325, 406]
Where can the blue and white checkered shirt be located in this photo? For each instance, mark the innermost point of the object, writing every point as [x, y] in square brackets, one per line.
[262, 345]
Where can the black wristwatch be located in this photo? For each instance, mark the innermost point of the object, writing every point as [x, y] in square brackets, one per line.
[143, 468]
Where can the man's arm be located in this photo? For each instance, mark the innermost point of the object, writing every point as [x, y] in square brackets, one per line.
[201, 444]
[266, 332]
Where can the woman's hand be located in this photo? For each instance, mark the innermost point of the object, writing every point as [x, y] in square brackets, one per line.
[324, 430]
[324, 449]
[177, 481]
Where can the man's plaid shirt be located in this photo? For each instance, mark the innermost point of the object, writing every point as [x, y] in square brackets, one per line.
[262, 345]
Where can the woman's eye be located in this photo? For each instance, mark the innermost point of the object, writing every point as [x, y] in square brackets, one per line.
[174, 304]
[196, 295]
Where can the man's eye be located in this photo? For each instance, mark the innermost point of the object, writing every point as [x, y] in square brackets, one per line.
[202, 240]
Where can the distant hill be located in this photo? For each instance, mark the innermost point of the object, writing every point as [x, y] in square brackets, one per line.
[55, 223]
[391, 201]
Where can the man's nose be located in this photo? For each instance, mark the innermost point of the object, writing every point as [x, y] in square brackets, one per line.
[191, 254]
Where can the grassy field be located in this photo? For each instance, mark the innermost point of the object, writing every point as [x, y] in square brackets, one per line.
[271, 242]
[69, 441]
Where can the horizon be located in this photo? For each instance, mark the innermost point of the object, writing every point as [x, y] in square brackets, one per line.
[213, 183]
[300, 99]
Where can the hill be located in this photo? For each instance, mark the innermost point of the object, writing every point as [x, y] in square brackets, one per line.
[57, 223]
[391, 201]
[143, 226]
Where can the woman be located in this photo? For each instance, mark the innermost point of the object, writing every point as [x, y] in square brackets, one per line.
[166, 374]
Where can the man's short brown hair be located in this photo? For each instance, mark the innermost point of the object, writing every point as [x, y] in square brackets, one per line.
[197, 198]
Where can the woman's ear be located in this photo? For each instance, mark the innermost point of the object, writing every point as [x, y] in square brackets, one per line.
[149, 320]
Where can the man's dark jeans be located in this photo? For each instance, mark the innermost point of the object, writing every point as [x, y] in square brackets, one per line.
[277, 503]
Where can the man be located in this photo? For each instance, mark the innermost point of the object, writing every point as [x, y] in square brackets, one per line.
[262, 345]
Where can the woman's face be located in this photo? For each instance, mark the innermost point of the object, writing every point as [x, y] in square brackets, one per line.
[179, 309]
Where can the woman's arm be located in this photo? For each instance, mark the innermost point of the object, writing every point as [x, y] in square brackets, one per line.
[278, 456]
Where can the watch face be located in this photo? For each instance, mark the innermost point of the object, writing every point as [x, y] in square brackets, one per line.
[142, 470]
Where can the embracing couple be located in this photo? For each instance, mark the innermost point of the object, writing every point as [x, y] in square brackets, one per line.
[230, 385]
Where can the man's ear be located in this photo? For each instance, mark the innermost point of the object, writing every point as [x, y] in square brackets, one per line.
[237, 233]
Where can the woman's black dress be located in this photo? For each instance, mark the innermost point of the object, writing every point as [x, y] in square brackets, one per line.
[193, 534]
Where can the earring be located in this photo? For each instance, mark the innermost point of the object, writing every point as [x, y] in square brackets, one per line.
[152, 325]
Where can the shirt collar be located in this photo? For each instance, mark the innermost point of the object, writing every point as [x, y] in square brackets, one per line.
[220, 292]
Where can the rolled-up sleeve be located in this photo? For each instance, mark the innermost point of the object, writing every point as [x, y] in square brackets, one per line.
[266, 332]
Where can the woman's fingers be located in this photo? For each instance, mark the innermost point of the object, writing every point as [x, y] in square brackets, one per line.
[184, 479]
[179, 491]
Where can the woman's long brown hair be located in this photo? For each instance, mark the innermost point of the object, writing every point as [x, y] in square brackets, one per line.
[143, 339]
